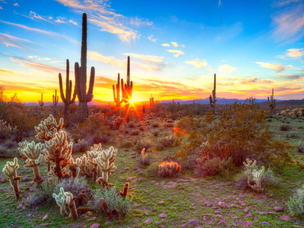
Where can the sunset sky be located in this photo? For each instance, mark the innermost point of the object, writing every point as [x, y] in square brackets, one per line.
[175, 47]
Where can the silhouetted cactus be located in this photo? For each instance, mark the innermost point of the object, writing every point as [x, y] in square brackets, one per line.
[83, 95]
[212, 97]
[55, 98]
[272, 103]
[68, 98]
[151, 101]
[116, 93]
[128, 87]
[41, 103]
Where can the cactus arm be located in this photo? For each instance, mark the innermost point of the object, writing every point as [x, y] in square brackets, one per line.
[10, 170]
[90, 95]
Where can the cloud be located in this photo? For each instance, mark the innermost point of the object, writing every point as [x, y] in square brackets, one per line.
[1, 7]
[35, 15]
[147, 58]
[139, 22]
[174, 44]
[73, 22]
[226, 68]
[288, 25]
[12, 41]
[197, 63]
[102, 16]
[295, 53]
[39, 66]
[150, 62]
[3, 71]
[16, 4]
[281, 3]
[60, 20]
[292, 76]
[178, 52]
[276, 67]
[151, 38]
[165, 45]
[106, 59]
[40, 31]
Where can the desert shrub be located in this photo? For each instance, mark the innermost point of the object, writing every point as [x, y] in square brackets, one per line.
[126, 131]
[6, 130]
[285, 127]
[155, 124]
[8, 153]
[168, 125]
[81, 146]
[295, 204]
[300, 146]
[141, 128]
[169, 168]
[126, 143]
[131, 125]
[241, 133]
[155, 133]
[114, 201]
[73, 185]
[214, 166]
[144, 143]
[292, 135]
[134, 132]
[43, 196]
[144, 159]
[152, 170]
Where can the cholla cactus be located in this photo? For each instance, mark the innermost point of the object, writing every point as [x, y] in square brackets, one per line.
[105, 162]
[254, 175]
[92, 154]
[47, 128]
[144, 157]
[70, 200]
[6, 129]
[34, 156]
[59, 150]
[60, 200]
[10, 170]
[168, 169]
[75, 167]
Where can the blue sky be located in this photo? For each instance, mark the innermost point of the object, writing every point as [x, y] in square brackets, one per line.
[175, 47]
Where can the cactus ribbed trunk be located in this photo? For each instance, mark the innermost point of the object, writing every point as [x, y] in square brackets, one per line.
[37, 177]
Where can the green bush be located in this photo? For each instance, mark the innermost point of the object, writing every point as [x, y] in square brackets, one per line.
[295, 204]
[214, 166]
[126, 143]
[114, 201]
[144, 143]
[285, 127]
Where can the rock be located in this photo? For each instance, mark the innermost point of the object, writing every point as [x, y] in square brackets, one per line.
[248, 215]
[207, 204]
[266, 223]
[161, 203]
[169, 199]
[184, 226]
[46, 224]
[285, 217]
[246, 223]
[162, 215]
[44, 217]
[193, 222]
[278, 209]
[222, 204]
[246, 209]
[152, 194]
[241, 203]
[149, 220]
[218, 211]
[92, 219]
[95, 225]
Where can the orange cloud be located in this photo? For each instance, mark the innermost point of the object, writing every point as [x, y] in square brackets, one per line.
[178, 52]
[295, 53]
[276, 67]
[226, 68]
[165, 45]
[106, 59]
[197, 63]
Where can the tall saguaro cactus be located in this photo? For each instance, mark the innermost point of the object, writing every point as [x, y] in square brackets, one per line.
[68, 98]
[83, 95]
[116, 94]
[128, 87]
[272, 103]
[212, 97]
[41, 103]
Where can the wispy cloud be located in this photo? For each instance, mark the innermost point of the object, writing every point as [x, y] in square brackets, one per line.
[140, 22]
[197, 63]
[295, 53]
[281, 3]
[174, 44]
[12, 41]
[103, 16]
[288, 24]
[35, 15]
[3, 71]
[150, 62]
[39, 66]
[165, 45]
[226, 68]
[73, 22]
[177, 52]
[39, 31]
[16, 4]
[60, 20]
[151, 38]
[1, 7]
[106, 59]
[276, 67]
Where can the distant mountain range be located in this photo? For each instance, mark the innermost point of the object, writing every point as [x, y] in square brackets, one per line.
[196, 101]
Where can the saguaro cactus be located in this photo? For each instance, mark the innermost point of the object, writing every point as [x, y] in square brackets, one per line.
[34, 156]
[212, 97]
[10, 170]
[128, 87]
[55, 98]
[83, 95]
[272, 103]
[151, 101]
[41, 103]
[116, 94]
[68, 98]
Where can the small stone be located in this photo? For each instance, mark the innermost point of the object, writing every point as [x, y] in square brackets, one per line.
[222, 224]
[193, 222]
[162, 215]
[248, 215]
[184, 226]
[246, 209]
[207, 204]
[92, 219]
[29, 215]
[222, 204]
[161, 226]
[169, 199]
[285, 217]
[44, 217]
[218, 211]
[246, 223]
[95, 225]
[278, 209]
[241, 203]
[146, 213]
[161, 203]
[46, 224]
[266, 223]
[152, 194]
[149, 220]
